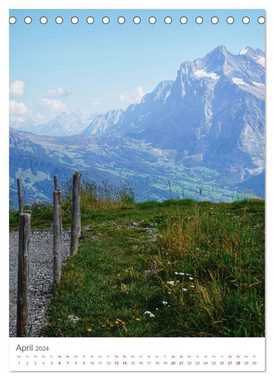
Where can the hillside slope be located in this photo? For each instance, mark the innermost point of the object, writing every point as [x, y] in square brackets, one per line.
[176, 269]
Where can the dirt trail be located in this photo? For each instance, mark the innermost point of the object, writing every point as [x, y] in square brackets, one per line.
[40, 282]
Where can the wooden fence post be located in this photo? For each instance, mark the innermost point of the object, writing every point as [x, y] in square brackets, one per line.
[76, 214]
[56, 188]
[56, 238]
[20, 196]
[23, 275]
[56, 183]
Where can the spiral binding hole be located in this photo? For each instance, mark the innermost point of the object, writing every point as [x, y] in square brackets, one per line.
[230, 20]
[59, 20]
[43, 20]
[27, 20]
[137, 20]
[12, 20]
[214, 20]
[183, 20]
[168, 20]
[90, 20]
[121, 20]
[199, 20]
[105, 20]
[74, 20]
[152, 20]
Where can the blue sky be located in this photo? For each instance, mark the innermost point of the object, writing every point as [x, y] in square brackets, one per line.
[94, 68]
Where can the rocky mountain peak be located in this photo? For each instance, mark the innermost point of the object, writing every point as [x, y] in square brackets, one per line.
[256, 55]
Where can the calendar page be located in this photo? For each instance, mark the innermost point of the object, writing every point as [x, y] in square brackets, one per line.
[137, 188]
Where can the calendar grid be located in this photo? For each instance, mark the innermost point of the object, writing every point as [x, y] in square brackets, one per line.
[119, 354]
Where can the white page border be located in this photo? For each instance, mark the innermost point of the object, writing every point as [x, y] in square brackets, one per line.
[81, 4]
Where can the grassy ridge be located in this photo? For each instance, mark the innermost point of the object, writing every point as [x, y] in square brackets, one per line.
[177, 268]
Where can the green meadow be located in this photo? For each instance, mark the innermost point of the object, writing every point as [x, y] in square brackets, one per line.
[178, 268]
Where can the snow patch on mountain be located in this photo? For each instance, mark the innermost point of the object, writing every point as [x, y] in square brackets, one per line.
[201, 73]
[239, 81]
[257, 84]
[244, 51]
[256, 55]
[255, 88]
[261, 61]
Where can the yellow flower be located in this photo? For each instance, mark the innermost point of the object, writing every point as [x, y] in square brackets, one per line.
[137, 319]
[89, 329]
[119, 322]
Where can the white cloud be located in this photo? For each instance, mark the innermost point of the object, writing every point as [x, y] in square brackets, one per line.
[51, 100]
[94, 104]
[134, 96]
[20, 113]
[54, 105]
[57, 93]
[17, 87]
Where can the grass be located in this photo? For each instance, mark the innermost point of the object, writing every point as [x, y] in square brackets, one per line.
[94, 200]
[176, 268]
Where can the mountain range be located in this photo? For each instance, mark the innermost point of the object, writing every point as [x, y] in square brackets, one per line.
[200, 135]
[64, 124]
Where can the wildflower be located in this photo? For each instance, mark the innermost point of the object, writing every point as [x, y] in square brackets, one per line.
[184, 289]
[137, 319]
[176, 273]
[149, 313]
[73, 318]
[168, 292]
[192, 286]
[164, 303]
[177, 281]
[170, 283]
[119, 322]
[157, 308]
[89, 329]
[181, 274]
[191, 278]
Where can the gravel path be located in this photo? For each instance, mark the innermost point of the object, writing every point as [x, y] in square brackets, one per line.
[41, 284]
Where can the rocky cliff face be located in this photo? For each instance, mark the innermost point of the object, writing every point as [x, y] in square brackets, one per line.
[212, 114]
